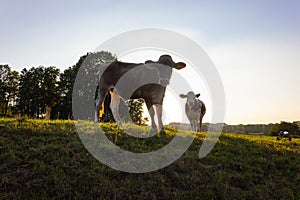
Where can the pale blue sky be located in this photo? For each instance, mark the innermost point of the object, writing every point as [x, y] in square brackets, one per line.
[254, 44]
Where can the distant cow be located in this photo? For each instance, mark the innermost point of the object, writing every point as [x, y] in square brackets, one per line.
[158, 75]
[195, 110]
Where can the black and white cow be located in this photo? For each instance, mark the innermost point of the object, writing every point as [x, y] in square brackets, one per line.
[121, 79]
[195, 110]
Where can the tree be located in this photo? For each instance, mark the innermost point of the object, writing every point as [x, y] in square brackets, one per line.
[65, 86]
[26, 87]
[38, 91]
[8, 89]
[135, 109]
[12, 92]
[292, 128]
[90, 63]
[49, 90]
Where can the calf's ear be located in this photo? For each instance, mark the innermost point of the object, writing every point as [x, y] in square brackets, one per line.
[183, 96]
[180, 65]
[197, 95]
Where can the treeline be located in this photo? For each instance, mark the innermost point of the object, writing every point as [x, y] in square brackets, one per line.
[46, 92]
[249, 128]
[261, 129]
[264, 129]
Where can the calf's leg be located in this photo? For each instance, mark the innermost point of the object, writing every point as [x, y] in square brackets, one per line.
[200, 122]
[194, 125]
[197, 126]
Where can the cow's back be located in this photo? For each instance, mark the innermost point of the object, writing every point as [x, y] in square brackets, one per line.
[115, 70]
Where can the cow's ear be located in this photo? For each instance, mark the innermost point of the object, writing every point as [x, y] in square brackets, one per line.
[180, 65]
[183, 96]
[197, 95]
[149, 61]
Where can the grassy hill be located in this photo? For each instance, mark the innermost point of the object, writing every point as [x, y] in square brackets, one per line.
[46, 159]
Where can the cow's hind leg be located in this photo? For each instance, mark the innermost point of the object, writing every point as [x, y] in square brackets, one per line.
[99, 102]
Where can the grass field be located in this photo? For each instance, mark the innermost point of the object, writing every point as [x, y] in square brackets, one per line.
[46, 159]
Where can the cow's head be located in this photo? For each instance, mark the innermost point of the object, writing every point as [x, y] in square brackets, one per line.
[191, 97]
[167, 60]
[165, 72]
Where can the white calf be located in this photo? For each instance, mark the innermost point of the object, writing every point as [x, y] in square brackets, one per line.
[195, 110]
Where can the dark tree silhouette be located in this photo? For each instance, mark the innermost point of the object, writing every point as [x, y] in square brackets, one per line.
[38, 91]
[8, 90]
[89, 64]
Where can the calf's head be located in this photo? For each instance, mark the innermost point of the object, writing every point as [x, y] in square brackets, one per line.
[191, 97]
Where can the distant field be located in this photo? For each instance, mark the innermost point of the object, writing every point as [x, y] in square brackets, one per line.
[46, 159]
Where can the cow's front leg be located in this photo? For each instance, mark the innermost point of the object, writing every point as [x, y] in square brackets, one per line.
[151, 111]
[198, 126]
[114, 105]
[159, 118]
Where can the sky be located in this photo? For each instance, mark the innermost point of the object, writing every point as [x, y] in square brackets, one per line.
[255, 45]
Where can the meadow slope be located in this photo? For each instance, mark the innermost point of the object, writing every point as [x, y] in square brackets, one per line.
[46, 159]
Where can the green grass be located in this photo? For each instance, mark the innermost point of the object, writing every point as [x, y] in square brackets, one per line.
[46, 159]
